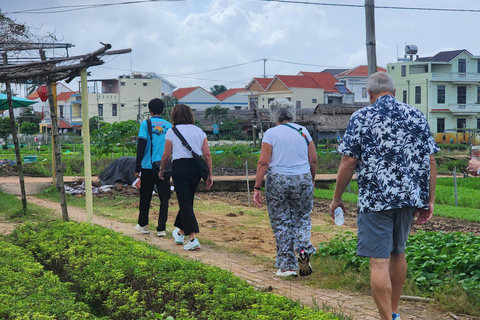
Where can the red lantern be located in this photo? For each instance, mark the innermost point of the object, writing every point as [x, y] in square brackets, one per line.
[43, 93]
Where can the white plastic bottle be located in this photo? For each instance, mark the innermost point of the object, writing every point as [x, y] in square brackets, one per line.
[339, 220]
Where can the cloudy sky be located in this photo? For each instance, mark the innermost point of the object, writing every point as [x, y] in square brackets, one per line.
[186, 41]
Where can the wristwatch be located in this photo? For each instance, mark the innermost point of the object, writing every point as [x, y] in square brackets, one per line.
[257, 188]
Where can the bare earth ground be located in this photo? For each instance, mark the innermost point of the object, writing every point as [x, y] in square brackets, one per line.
[234, 230]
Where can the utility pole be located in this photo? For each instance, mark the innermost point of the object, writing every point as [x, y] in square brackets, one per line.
[370, 28]
[86, 146]
[264, 67]
[138, 115]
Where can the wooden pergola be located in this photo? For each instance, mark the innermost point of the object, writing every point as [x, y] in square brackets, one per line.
[50, 71]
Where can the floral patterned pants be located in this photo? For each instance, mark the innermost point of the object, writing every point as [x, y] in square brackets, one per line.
[290, 202]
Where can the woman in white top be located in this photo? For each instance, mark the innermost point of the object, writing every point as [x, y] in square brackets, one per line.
[185, 173]
[289, 159]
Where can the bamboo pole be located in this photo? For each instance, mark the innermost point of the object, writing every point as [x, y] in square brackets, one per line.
[15, 139]
[86, 146]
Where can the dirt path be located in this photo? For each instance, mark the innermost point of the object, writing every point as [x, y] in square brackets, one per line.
[260, 275]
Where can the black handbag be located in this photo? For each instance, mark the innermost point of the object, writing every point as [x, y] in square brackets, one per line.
[156, 164]
[199, 160]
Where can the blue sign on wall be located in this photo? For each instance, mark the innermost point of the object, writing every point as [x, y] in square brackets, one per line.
[216, 129]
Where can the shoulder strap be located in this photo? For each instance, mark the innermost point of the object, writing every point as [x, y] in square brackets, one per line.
[299, 130]
[149, 125]
[184, 142]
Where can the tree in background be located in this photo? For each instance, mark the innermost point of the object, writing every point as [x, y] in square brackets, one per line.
[95, 123]
[170, 102]
[232, 130]
[215, 113]
[115, 134]
[5, 129]
[29, 128]
[29, 115]
[217, 89]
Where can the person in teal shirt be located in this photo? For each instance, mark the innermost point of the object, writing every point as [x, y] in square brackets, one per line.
[149, 150]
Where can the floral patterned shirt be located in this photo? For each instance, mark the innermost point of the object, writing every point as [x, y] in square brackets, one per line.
[393, 144]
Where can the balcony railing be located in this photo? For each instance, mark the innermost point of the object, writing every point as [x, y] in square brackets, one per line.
[465, 108]
[456, 76]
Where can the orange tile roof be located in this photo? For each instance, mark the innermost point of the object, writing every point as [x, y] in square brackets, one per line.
[33, 96]
[359, 71]
[263, 82]
[64, 96]
[324, 80]
[298, 81]
[62, 124]
[182, 92]
[227, 94]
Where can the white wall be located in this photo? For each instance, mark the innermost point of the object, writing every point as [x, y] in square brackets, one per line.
[199, 99]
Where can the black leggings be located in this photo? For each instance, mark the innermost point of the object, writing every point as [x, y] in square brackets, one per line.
[186, 178]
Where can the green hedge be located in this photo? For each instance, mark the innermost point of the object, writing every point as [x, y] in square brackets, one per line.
[121, 278]
[29, 292]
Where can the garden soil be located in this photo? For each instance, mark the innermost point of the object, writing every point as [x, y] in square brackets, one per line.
[238, 245]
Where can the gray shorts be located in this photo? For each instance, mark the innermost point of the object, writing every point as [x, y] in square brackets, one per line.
[384, 233]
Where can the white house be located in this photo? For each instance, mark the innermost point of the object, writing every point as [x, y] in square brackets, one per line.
[235, 99]
[355, 80]
[196, 97]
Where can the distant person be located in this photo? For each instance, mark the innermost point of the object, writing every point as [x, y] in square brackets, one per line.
[473, 167]
[151, 144]
[289, 159]
[185, 173]
[390, 147]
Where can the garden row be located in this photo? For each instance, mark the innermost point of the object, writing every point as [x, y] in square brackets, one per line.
[439, 264]
[115, 277]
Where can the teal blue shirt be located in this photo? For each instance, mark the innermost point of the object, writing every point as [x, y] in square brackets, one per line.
[159, 129]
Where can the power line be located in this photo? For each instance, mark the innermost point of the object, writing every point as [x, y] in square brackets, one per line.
[69, 8]
[376, 7]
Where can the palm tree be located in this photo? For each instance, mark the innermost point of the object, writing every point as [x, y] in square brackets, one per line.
[215, 113]
[217, 89]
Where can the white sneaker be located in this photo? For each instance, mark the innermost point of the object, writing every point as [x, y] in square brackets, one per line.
[192, 245]
[143, 230]
[161, 233]
[286, 273]
[179, 238]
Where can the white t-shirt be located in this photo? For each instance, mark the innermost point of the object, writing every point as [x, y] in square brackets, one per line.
[289, 149]
[194, 136]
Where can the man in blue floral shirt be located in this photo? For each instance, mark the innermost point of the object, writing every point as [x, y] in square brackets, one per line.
[390, 147]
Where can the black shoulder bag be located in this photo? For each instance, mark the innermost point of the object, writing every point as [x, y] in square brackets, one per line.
[299, 130]
[156, 164]
[199, 160]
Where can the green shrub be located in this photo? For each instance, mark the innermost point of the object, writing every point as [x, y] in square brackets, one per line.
[29, 292]
[436, 260]
[122, 278]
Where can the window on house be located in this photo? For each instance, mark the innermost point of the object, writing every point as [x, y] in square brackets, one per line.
[314, 100]
[404, 96]
[60, 107]
[364, 93]
[299, 104]
[269, 100]
[145, 84]
[114, 109]
[461, 124]
[289, 99]
[462, 65]
[238, 107]
[330, 100]
[122, 105]
[441, 94]
[478, 94]
[393, 67]
[462, 94]
[440, 125]
[478, 123]
[100, 110]
[122, 84]
[404, 71]
[415, 69]
[478, 66]
[418, 94]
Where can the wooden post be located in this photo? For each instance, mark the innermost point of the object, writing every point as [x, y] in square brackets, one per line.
[58, 178]
[15, 139]
[54, 94]
[455, 185]
[370, 28]
[87, 164]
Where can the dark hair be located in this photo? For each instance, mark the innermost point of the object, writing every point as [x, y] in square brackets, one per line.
[156, 106]
[182, 114]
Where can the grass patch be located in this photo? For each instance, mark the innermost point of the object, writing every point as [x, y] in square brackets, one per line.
[12, 210]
